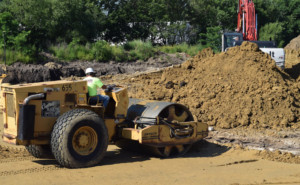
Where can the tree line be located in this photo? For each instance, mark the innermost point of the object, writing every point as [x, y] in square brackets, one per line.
[30, 26]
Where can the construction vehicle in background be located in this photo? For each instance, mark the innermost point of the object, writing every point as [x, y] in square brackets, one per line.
[55, 118]
[247, 31]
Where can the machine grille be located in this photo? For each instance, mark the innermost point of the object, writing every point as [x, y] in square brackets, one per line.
[11, 109]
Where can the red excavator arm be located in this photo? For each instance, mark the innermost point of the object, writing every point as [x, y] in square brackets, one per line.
[247, 20]
[246, 28]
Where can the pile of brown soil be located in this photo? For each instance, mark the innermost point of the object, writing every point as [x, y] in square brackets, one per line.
[279, 156]
[242, 87]
[28, 73]
[294, 44]
[292, 54]
[292, 58]
[11, 151]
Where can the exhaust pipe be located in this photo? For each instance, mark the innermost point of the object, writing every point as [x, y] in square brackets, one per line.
[33, 97]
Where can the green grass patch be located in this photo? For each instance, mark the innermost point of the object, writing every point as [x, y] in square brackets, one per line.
[192, 50]
[139, 50]
[15, 56]
[102, 51]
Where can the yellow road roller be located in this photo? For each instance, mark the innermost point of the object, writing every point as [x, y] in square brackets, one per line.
[56, 118]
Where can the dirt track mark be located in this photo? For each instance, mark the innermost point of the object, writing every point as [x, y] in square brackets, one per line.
[265, 183]
[17, 159]
[239, 162]
[270, 140]
[30, 170]
[8, 153]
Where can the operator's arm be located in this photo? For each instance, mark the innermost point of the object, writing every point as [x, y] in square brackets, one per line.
[99, 84]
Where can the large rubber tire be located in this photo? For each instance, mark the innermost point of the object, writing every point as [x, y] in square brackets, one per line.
[40, 151]
[71, 141]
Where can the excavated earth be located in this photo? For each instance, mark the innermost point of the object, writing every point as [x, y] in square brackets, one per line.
[239, 88]
[241, 93]
[56, 70]
[292, 57]
[251, 105]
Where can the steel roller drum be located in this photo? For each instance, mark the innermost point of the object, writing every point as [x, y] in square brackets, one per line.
[149, 110]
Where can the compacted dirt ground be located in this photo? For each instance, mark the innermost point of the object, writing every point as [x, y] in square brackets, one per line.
[205, 163]
[252, 106]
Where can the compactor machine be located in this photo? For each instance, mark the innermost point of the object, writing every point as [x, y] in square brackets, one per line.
[55, 118]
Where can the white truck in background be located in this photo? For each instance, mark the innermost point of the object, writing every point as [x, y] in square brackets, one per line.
[277, 54]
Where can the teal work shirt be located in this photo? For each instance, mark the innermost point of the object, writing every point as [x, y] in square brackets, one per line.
[93, 84]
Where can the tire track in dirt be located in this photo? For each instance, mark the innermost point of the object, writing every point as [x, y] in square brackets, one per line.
[30, 170]
[13, 152]
[239, 162]
[275, 183]
[16, 159]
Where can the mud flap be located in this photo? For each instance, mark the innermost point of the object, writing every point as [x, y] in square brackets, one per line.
[26, 122]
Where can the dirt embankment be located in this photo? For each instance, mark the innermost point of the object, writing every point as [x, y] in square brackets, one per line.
[292, 53]
[206, 164]
[28, 73]
[294, 44]
[239, 88]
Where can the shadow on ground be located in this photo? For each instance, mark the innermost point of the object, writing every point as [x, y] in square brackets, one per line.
[123, 156]
[294, 72]
[46, 162]
[111, 157]
[117, 156]
[204, 148]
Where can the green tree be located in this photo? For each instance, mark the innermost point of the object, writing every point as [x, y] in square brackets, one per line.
[13, 34]
[45, 22]
[127, 19]
[212, 38]
[272, 31]
[62, 20]
[33, 16]
[80, 19]
[212, 13]
[285, 14]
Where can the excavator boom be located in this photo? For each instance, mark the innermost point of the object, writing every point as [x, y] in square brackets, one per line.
[247, 22]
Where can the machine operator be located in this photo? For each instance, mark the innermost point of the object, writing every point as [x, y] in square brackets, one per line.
[93, 84]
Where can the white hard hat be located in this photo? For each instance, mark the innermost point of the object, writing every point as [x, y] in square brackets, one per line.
[89, 70]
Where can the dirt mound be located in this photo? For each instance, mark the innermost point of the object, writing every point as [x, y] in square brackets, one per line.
[10, 152]
[279, 156]
[27, 73]
[292, 58]
[294, 44]
[292, 54]
[242, 87]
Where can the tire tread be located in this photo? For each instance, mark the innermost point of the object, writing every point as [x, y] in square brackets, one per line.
[57, 136]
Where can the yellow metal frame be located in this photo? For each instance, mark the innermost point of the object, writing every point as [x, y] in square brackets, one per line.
[62, 91]
[159, 135]
[85, 140]
[68, 95]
